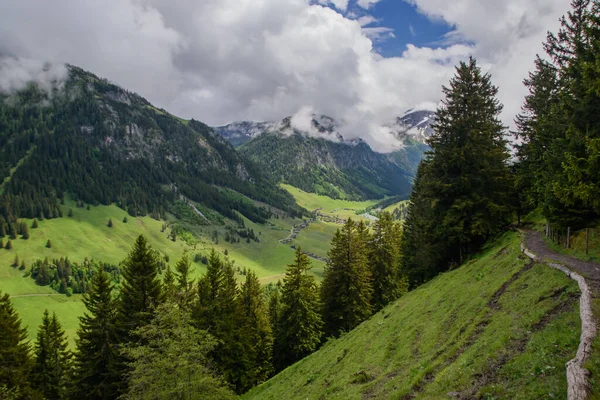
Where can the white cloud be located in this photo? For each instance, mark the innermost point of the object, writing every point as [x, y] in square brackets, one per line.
[15, 74]
[366, 3]
[225, 60]
[366, 20]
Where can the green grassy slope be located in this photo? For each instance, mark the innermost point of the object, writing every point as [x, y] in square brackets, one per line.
[498, 327]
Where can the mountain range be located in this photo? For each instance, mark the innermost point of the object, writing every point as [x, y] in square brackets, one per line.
[320, 160]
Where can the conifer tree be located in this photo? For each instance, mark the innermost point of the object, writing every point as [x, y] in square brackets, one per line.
[347, 287]
[96, 359]
[16, 262]
[125, 219]
[256, 333]
[384, 262]
[141, 290]
[25, 232]
[52, 368]
[110, 223]
[70, 214]
[184, 283]
[463, 187]
[8, 245]
[169, 283]
[299, 327]
[49, 244]
[172, 360]
[34, 224]
[14, 350]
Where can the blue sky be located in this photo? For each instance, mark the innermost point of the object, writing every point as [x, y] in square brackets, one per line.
[406, 23]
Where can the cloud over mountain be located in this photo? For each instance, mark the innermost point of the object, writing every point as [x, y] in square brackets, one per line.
[225, 60]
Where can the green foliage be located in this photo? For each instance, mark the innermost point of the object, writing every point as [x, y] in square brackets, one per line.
[184, 282]
[49, 244]
[34, 224]
[62, 274]
[257, 334]
[125, 219]
[52, 359]
[96, 358]
[8, 245]
[141, 290]
[110, 223]
[462, 192]
[347, 288]
[298, 319]
[173, 360]
[14, 350]
[559, 126]
[384, 262]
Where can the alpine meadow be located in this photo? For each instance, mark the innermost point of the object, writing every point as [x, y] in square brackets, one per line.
[340, 199]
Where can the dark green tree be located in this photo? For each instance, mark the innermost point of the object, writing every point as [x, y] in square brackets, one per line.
[172, 360]
[299, 326]
[110, 223]
[184, 283]
[51, 374]
[169, 283]
[8, 245]
[257, 335]
[384, 262]
[347, 288]
[96, 359]
[25, 232]
[70, 214]
[49, 244]
[125, 219]
[14, 350]
[141, 289]
[463, 192]
[34, 224]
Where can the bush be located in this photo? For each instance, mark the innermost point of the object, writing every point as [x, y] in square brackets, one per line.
[125, 220]
[34, 225]
[49, 244]
[8, 245]
[69, 292]
[110, 223]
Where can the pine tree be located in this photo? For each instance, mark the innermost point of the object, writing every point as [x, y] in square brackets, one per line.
[464, 184]
[14, 349]
[125, 219]
[384, 262]
[173, 360]
[96, 359]
[299, 326]
[110, 223]
[49, 244]
[169, 283]
[16, 262]
[347, 287]
[8, 245]
[51, 372]
[25, 232]
[34, 224]
[184, 283]
[141, 289]
[256, 334]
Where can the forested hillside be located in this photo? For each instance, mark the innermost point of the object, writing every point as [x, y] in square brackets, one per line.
[334, 169]
[101, 144]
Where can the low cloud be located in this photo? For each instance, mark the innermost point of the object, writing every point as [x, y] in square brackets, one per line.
[17, 73]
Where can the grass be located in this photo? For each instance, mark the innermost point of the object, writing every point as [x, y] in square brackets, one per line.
[316, 238]
[342, 208]
[495, 328]
[392, 207]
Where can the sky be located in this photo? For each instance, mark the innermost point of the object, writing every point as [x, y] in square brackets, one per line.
[362, 62]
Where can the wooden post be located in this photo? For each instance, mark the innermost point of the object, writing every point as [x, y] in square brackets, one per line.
[587, 240]
[569, 237]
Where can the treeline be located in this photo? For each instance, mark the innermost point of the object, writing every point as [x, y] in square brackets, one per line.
[207, 339]
[466, 190]
[67, 277]
[103, 145]
[559, 127]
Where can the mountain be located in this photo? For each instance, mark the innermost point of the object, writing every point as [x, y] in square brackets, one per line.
[329, 166]
[101, 144]
[320, 160]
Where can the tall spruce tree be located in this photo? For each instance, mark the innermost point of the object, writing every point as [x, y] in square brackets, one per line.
[51, 374]
[15, 360]
[384, 262]
[141, 289]
[464, 185]
[256, 333]
[299, 328]
[169, 283]
[96, 359]
[347, 287]
[184, 283]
